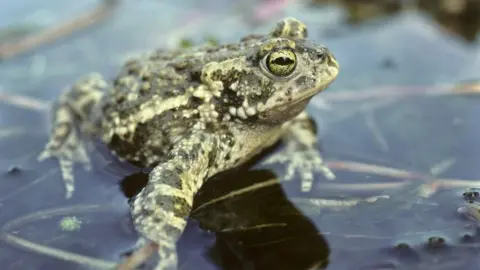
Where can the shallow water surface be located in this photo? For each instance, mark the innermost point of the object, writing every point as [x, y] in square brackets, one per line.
[401, 140]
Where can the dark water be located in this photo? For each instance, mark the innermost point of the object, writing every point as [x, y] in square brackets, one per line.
[381, 116]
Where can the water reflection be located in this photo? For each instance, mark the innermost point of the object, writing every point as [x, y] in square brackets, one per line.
[255, 225]
[461, 17]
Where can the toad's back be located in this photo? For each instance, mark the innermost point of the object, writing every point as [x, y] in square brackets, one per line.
[157, 98]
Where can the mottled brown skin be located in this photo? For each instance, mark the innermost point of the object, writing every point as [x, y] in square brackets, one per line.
[192, 113]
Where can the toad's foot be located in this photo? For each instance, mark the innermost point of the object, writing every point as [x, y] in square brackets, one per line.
[70, 114]
[305, 160]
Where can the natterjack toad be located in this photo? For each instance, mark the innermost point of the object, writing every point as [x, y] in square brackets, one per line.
[192, 113]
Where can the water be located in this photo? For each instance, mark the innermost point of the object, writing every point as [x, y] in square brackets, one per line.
[386, 137]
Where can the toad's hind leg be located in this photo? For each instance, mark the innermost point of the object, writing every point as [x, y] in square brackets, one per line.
[71, 117]
[161, 209]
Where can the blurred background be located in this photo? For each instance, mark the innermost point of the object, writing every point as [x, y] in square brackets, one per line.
[399, 127]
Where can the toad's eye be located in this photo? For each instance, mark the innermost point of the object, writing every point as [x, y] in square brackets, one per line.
[281, 62]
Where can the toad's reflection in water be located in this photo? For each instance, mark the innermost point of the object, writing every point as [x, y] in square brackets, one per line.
[255, 224]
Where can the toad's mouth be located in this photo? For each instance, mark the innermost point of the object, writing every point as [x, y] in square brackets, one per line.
[281, 112]
[300, 99]
[305, 95]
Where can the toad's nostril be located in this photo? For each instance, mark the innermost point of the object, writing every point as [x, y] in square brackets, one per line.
[321, 56]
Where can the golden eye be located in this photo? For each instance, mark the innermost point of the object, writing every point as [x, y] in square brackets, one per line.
[281, 62]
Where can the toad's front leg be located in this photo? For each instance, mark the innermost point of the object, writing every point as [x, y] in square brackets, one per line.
[301, 154]
[161, 209]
